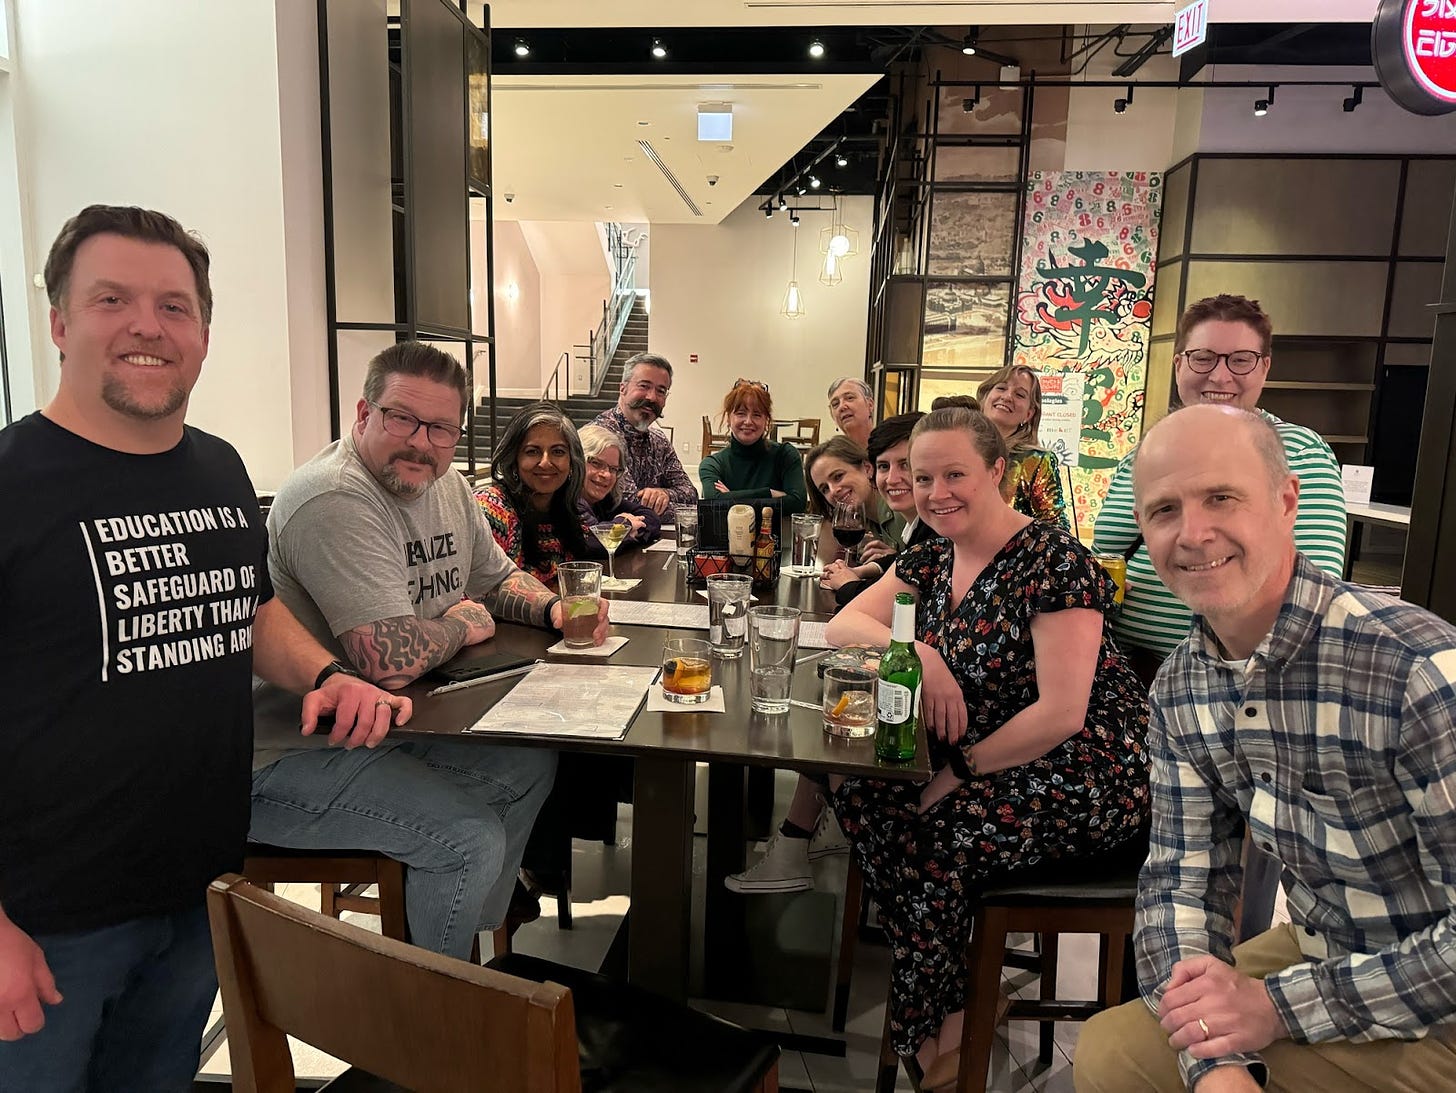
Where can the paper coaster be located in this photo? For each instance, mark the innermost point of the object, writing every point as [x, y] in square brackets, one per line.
[621, 584]
[657, 701]
[662, 544]
[605, 649]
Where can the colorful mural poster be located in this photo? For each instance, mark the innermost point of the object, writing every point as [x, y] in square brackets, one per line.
[1085, 304]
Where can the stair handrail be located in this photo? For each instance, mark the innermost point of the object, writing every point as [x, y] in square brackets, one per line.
[555, 380]
[615, 312]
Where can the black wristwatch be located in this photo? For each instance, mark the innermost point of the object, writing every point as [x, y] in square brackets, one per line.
[332, 668]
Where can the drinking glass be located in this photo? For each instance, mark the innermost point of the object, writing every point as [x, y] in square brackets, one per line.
[849, 527]
[805, 545]
[611, 536]
[849, 702]
[686, 519]
[687, 670]
[581, 593]
[728, 595]
[773, 643]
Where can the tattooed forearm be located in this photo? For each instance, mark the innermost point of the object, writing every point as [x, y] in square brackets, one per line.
[521, 598]
[393, 652]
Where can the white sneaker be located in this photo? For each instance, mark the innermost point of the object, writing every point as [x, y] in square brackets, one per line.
[784, 867]
[828, 837]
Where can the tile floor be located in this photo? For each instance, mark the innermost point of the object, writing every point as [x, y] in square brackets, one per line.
[599, 900]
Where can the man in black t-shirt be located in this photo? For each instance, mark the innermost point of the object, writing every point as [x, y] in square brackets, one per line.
[135, 605]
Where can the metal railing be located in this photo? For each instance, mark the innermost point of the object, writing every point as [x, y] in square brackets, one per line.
[616, 309]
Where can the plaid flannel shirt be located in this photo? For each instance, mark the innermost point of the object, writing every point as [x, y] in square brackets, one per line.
[650, 462]
[1334, 749]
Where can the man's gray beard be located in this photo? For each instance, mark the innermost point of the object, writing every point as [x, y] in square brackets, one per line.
[115, 394]
[390, 480]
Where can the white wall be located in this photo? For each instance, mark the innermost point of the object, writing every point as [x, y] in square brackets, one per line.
[518, 319]
[716, 292]
[177, 106]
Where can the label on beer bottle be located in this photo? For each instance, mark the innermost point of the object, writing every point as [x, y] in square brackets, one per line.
[897, 702]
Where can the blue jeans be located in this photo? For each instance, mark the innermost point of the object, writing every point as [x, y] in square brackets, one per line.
[136, 997]
[456, 813]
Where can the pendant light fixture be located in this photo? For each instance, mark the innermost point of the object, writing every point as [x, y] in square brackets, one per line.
[836, 242]
[793, 299]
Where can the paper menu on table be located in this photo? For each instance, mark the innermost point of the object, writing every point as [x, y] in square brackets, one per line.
[811, 635]
[587, 700]
[662, 544]
[679, 616]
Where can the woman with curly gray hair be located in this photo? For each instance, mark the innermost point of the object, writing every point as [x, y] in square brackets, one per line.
[537, 474]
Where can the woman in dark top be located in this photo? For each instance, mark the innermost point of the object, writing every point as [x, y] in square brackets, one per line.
[753, 465]
[538, 470]
[1036, 724]
[601, 493]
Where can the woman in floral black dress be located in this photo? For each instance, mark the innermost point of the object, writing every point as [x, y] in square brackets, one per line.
[1032, 766]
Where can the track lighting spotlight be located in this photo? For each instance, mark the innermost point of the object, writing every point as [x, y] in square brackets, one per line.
[814, 182]
[841, 160]
[816, 49]
[523, 48]
[783, 202]
[768, 213]
[1357, 96]
[968, 105]
[968, 46]
[1120, 105]
[794, 219]
[802, 190]
[658, 49]
[1261, 106]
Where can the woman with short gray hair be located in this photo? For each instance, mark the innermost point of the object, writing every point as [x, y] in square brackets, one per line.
[852, 406]
[601, 492]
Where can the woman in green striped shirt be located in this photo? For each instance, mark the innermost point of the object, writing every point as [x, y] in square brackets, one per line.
[1221, 356]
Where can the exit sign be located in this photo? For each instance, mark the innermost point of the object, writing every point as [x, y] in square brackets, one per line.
[1190, 27]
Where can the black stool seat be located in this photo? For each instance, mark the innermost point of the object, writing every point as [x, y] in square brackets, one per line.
[1120, 887]
[633, 1041]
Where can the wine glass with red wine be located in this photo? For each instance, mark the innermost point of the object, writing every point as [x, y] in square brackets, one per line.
[849, 527]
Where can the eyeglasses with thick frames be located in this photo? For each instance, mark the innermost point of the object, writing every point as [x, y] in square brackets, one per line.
[740, 381]
[399, 424]
[603, 468]
[1206, 360]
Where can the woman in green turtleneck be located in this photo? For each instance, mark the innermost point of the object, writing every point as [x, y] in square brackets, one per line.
[753, 465]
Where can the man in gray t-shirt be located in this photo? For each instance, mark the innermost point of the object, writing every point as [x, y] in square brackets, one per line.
[381, 552]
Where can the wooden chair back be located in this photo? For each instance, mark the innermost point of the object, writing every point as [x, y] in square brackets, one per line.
[424, 1021]
[802, 432]
[712, 442]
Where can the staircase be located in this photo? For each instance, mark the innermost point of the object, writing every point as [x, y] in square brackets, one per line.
[581, 408]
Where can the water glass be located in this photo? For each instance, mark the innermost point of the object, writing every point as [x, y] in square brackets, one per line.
[849, 702]
[687, 670]
[581, 593]
[686, 519]
[804, 557]
[773, 643]
[728, 595]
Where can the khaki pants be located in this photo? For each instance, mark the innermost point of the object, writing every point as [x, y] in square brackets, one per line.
[1123, 1050]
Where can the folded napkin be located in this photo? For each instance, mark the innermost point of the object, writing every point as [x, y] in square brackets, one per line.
[657, 701]
[605, 649]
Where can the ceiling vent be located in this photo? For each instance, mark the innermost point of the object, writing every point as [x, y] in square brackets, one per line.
[651, 153]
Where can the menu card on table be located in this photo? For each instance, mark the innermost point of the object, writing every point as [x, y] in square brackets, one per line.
[596, 701]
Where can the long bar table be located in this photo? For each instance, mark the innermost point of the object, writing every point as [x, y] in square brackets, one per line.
[666, 747]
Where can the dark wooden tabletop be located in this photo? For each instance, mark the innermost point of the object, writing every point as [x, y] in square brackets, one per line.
[793, 741]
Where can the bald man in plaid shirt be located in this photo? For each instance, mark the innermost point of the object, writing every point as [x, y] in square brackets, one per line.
[1319, 720]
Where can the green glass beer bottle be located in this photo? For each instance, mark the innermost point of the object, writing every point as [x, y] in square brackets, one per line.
[899, 698]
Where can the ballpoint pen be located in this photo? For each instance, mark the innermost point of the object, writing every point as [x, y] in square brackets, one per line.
[484, 679]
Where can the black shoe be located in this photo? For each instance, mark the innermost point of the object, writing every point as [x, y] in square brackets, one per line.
[524, 907]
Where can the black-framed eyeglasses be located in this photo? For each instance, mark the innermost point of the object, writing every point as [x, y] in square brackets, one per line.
[604, 468]
[399, 424]
[1206, 360]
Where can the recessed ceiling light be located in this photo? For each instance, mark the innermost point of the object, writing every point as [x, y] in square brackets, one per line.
[523, 48]
[816, 48]
[841, 160]
[658, 49]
